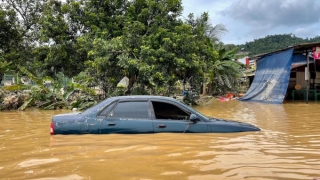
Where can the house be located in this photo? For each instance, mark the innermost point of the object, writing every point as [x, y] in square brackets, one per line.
[292, 72]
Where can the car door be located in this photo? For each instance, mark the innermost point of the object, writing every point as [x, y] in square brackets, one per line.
[170, 117]
[132, 116]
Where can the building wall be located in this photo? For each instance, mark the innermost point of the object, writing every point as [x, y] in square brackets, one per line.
[300, 79]
[292, 83]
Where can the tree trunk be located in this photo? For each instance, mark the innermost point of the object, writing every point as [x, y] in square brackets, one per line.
[204, 87]
[210, 88]
[1, 75]
[132, 80]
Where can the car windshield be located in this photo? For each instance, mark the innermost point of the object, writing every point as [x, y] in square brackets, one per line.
[201, 115]
[211, 118]
[196, 112]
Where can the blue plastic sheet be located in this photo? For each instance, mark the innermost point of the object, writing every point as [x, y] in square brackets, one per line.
[271, 78]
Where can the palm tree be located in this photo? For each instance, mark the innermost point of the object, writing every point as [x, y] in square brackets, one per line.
[224, 72]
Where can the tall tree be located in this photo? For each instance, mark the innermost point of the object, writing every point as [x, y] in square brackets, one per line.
[24, 15]
[29, 12]
[104, 22]
[10, 39]
[61, 26]
[163, 47]
[224, 73]
[208, 36]
[140, 52]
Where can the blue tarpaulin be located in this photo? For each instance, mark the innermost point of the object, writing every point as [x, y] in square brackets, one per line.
[271, 78]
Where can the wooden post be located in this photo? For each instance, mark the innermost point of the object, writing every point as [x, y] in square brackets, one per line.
[307, 74]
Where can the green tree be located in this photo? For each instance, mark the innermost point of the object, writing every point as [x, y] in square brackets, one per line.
[145, 40]
[141, 52]
[272, 43]
[59, 49]
[29, 12]
[22, 16]
[102, 41]
[10, 39]
[225, 72]
[207, 46]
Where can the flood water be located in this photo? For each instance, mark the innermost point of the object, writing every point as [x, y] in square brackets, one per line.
[288, 147]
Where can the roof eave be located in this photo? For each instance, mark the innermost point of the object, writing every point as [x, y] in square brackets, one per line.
[299, 47]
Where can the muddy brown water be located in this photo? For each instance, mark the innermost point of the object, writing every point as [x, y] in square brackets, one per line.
[288, 147]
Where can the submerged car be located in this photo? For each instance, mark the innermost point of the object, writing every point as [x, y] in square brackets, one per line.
[142, 114]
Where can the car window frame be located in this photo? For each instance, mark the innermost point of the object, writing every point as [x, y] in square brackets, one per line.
[112, 103]
[150, 115]
[172, 103]
[96, 108]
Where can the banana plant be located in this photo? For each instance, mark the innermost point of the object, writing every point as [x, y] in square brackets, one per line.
[55, 95]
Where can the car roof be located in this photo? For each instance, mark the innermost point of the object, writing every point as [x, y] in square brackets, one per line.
[145, 97]
[138, 97]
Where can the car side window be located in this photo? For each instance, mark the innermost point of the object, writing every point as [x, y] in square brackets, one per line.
[106, 110]
[131, 109]
[164, 110]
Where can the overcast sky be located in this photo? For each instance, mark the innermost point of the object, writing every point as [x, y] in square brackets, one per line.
[247, 20]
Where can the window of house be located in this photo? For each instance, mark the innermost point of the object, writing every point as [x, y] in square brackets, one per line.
[293, 74]
[164, 110]
[131, 110]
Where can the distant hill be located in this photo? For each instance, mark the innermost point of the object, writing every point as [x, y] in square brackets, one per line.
[274, 42]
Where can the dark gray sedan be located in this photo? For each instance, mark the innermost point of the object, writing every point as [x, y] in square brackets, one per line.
[142, 114]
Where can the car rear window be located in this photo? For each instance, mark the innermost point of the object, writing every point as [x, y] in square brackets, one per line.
[131, 110]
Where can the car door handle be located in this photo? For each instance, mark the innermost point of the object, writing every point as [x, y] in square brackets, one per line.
[111, 124]
[162, 126]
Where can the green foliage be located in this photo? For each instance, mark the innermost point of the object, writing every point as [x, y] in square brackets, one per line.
[35, 79]
[224, 72]
[9, 40]
[56, 94]
[100, 42]
[9, 33]
[82, 103]
[272, 43]
[4, 66]
[18, 31]
[60, 28]
[26, 103]
[16, 87]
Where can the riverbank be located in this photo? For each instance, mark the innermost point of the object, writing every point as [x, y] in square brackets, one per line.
[12, 100]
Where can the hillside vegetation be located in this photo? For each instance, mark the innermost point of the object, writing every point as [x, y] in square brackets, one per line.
[272, 43]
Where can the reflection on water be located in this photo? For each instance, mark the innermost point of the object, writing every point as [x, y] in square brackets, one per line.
[286, 148]
[34, 162]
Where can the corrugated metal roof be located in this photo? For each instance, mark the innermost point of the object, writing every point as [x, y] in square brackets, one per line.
[299, 47]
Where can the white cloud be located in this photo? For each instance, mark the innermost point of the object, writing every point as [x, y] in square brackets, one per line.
[275, 13]
[247, 20]
[302, 32]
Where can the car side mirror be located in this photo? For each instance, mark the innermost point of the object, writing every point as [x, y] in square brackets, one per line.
[194, 118]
